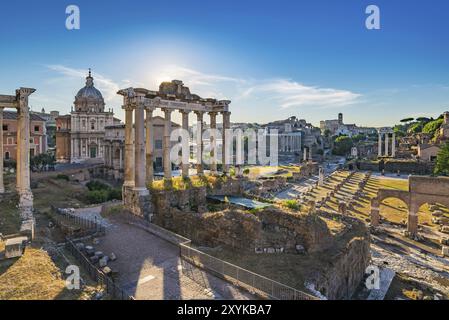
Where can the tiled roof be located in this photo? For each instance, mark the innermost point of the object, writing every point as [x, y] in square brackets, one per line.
[12, 115]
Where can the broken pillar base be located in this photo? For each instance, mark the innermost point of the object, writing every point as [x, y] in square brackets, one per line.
[138, 202]
[27, 228]
[26, 205]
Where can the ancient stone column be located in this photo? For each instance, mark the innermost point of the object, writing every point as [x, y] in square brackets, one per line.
[224, 155]
[166, 144]
[412, 224]
[139, 145]
[375, 213]
[149, 145]
[2, 186]
[23, 153]
[213, 142]
[199, 142]
[379, 150]
[185, 127]
[387, 137]
[129, 146]
[393, 145]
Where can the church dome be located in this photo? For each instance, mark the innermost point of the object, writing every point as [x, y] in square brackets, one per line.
[89, 91]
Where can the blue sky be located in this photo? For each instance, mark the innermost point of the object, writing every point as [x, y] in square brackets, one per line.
[273, 59]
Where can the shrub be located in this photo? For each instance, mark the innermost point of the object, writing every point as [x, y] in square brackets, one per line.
[432, 126]
[62, 177]
[115, 194]
[96, 185]
[246, 171]
[291, 204]
[97, 196]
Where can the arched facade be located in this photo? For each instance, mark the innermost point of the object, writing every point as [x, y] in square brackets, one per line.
[422, 190]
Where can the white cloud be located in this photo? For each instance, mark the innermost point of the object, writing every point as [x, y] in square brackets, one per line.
[274, 93]
[293, 94]
[107, 86]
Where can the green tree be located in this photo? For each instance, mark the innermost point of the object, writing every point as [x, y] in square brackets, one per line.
[407, 120]
[442, 164]
[342, 145]
[415, 127]
[432, 126]
[40, 161]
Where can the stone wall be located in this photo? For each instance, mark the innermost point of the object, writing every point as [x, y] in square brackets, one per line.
[340, 279]
[137, 203]
[393, 166]
[270, 228]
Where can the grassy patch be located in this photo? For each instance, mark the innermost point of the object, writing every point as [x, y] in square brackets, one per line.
[34, 276]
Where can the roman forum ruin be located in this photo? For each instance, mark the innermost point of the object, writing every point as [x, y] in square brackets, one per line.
[384, 138]
[20, 103]
[172, 96]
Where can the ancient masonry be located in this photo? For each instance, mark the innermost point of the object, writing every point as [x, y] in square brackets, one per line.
[422, 190]
[172, 96]
[384, 134]
[20, 103]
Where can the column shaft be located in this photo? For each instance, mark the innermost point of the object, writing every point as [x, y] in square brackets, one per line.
[213, 142]
[393, 145]
[149, 145]
[199, 143]
[379, 148]
[387, 138]
[185, 127]
[23, 153]
[129, 147]
[166, 144]
[224, 155]
[140, 171]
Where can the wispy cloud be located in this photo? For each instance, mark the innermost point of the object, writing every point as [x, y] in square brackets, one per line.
[276, 93]
[282, 93]
[289, 94]
[107, 86]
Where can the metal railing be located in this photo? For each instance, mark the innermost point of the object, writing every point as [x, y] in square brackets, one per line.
[76, 226]
[243, 278]
[98, 276]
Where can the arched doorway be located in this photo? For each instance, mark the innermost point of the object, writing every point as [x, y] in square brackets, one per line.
[394, 210]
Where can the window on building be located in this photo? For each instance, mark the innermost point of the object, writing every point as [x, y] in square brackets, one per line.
[5, 127]
[158, 162]
[7, 156]
[92, 126]
[158, 144]
[36, 128]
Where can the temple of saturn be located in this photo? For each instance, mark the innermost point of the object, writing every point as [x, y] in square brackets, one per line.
[172, 96]
[20, 103]
[384, 139]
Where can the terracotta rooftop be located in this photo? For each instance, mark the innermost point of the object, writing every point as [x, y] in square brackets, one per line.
[12, 115]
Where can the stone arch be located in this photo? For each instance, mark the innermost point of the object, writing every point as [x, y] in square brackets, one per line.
[397, 214]
[382, 195]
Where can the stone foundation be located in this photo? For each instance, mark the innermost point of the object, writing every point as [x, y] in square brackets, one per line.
[138, 202]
